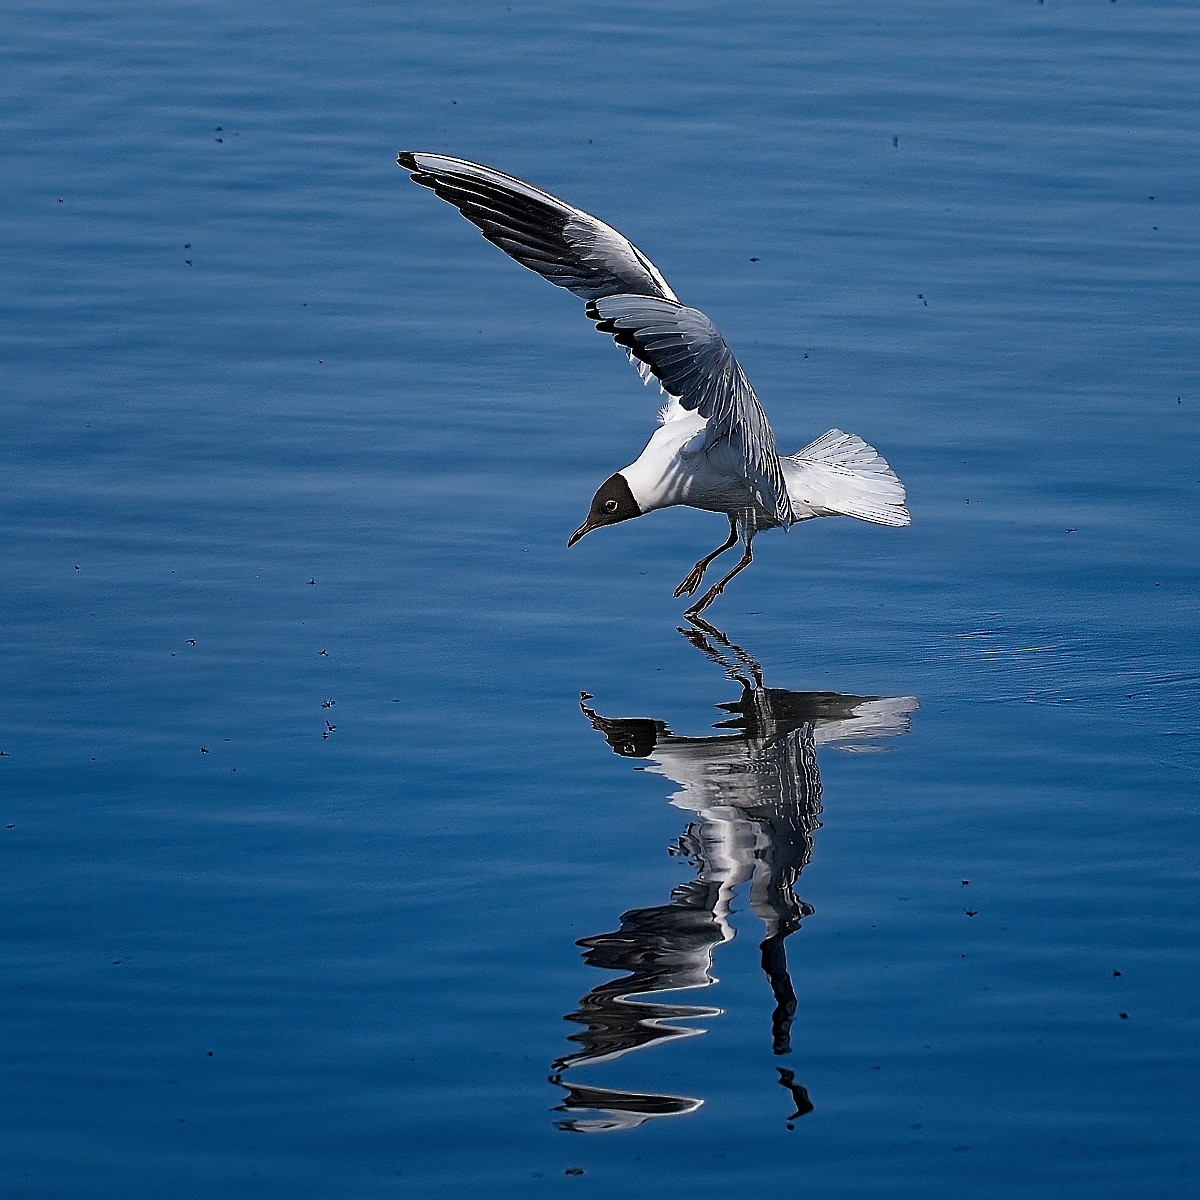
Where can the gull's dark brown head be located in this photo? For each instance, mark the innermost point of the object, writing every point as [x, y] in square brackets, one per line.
[612, 502]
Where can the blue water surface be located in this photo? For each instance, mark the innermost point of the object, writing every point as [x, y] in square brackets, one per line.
[360, 840]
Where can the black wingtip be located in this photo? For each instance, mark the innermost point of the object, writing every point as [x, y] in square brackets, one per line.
[603, 323]
[408, 160]
[625, 338]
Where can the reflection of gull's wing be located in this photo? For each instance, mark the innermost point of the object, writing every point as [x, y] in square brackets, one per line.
[617, 1109]
[665, 948]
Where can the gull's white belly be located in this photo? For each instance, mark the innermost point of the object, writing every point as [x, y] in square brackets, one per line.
[675, 469]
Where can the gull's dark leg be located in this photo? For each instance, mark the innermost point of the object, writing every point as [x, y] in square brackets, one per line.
[714, 591]
[692, 582]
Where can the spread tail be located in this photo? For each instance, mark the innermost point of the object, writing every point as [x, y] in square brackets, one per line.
[840, 475]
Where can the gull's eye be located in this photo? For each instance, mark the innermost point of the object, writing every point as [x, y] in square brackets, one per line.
[610, 506]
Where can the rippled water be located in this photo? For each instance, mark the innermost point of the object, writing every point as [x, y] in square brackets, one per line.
[360, 840]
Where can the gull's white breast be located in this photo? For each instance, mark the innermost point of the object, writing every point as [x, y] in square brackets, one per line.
[675, 469]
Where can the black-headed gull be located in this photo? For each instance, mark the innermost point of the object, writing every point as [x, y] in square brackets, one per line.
[714, 448]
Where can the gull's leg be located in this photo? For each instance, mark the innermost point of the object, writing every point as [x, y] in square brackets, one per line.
[714, 591]
[692, 582]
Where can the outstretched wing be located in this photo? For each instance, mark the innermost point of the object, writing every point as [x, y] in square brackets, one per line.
[689, 357]
[563, 244]
[627, 296]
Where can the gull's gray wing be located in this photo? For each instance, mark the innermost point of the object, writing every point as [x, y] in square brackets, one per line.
[689, 357]
[628, 297]
[563, 244]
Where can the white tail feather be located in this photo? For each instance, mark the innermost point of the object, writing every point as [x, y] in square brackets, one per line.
[840, 475]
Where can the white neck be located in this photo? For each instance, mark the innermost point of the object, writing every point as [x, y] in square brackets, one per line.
[657, 477]
[649, 483]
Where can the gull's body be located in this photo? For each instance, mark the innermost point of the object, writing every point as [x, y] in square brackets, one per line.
[714, 448]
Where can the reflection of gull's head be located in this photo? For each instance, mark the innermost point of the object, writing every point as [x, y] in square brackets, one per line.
[630, 737]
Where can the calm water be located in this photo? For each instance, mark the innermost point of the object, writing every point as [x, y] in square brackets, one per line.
[321, 878]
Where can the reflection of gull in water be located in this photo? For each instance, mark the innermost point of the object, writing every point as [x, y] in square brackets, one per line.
[755, 795]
